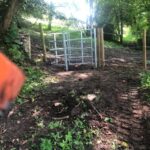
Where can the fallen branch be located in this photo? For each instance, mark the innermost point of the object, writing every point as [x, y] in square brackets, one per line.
[93, 107]
[60, 118]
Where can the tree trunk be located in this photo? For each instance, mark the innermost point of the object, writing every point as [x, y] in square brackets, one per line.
[121, 33]
[121, 25]
[8, 15]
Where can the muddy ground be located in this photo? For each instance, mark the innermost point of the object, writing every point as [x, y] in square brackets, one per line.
[113, 93]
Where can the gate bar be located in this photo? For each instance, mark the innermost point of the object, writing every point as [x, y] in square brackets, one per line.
[55, 43]
[65, 51]
[82, 46]
[92, 50]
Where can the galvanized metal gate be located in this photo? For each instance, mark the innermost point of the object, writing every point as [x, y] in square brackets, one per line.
[76, 47]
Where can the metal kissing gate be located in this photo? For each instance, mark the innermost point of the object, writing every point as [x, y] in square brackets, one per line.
[75, 47]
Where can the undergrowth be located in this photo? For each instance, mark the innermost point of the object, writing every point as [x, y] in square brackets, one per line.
[61, 136]
[16, 53]
[13, 48]
[145, 80]
[32, 85]
[145, 85]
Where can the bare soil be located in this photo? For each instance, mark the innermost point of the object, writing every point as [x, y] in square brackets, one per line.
[123, 118]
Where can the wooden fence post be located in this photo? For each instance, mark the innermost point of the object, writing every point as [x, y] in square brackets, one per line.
[144, 50]
[102, 51]
[43, 42]
[98, 48]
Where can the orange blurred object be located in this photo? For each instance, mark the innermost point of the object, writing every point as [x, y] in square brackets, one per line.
[11, 81]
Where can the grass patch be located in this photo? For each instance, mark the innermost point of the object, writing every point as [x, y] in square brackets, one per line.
[112, 45]
[58, 29]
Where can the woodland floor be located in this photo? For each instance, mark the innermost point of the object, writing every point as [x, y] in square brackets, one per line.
[118, 97]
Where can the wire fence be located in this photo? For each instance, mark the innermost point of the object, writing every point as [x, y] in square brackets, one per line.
[131, 52]
[79, 47]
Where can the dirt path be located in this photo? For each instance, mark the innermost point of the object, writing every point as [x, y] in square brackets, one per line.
[125, 118]
[130, 128]
[120, 101]
[129, 124]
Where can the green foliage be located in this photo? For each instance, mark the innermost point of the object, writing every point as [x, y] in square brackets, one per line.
[14, 51]
[35, 8]
[119, 13]
[145, 85]
[11, 35]
[54, 125]
[59, 28]
[66, 144]
[76, 136]
[145, 80]
[129, 35]
[102, 7]
[45, 144]
[16, 54]
[33, 82]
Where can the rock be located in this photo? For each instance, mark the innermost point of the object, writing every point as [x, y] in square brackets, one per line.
[91, 97]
